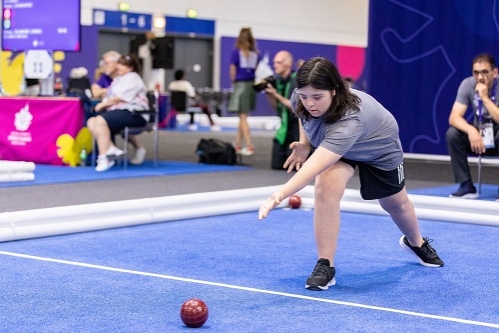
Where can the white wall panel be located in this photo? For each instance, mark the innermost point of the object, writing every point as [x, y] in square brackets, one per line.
[339, 22]
[332, 22]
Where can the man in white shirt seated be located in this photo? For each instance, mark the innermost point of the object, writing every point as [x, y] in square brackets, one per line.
[181, 84]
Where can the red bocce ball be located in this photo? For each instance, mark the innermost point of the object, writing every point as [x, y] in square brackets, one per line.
[194, 312]
[294, 201]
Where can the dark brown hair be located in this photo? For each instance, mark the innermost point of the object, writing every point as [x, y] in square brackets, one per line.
[130, 61]
[320, 73]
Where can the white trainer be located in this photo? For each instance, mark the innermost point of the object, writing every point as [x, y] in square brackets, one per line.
[140, 155]
[103, 163]
[215, 128]
[114, 152]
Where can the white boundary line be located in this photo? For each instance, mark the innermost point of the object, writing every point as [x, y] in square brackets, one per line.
[255, 290]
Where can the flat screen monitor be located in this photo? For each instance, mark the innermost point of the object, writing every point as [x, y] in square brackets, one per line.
[52, 25]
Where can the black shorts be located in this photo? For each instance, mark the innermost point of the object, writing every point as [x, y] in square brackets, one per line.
[117, 120]
[376, 183]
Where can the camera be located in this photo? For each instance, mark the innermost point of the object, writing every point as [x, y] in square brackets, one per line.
[263, 84]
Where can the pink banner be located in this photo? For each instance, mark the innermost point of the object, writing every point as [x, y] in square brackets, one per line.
[38, 129]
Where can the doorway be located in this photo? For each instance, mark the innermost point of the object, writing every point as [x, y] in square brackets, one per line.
[193, 55]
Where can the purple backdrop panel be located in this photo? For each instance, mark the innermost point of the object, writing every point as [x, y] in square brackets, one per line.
[350, 62]
[88, 56]
[419, 52]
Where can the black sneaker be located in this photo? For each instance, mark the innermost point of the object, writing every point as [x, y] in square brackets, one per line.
[426, 255]
[466, 191]
[322, 277]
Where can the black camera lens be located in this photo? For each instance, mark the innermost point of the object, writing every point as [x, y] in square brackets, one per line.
[272, 81]
[262, 85]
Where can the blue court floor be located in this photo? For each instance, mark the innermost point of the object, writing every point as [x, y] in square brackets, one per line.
[251, 274]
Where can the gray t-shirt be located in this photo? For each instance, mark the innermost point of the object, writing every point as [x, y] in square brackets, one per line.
[466, 95]
[369, 135]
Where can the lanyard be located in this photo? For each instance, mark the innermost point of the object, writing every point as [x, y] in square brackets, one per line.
[480, 102]
[284, 93]
[282, 131]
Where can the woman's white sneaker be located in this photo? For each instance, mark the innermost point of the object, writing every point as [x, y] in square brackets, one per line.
[114, 153]
[215, 128]
[103, 163]
[140, 155]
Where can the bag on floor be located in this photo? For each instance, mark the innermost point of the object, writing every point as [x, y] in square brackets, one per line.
[214, 151]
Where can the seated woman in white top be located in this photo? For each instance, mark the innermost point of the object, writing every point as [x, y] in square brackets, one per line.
[126, 95]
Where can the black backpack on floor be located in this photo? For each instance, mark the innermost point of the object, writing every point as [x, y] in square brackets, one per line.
[214, 151]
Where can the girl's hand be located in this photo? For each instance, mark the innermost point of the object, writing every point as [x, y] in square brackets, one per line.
[267, 206]
[298, 156]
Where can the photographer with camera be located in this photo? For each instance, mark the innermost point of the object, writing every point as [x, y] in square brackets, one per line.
[279, 89]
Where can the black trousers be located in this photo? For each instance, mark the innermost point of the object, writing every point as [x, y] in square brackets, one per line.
[280, 154]
[458, 145]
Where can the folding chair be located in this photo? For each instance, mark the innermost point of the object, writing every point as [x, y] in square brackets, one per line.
[152, 125]
[179, 101]
[479, 169]
[479, 174]
[480, 126]
[80, 88]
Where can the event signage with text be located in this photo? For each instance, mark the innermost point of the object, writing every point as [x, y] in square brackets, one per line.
[123, 20]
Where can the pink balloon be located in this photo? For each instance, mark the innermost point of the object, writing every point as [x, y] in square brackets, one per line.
[350, 61]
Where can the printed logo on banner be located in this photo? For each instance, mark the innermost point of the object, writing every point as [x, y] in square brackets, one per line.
[22, 122]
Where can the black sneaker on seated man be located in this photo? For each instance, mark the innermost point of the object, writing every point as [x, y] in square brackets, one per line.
[322, 277]
[426, 254]
[466, 191]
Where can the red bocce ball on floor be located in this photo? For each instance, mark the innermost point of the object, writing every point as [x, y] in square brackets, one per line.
[294, 201]
[194, 312]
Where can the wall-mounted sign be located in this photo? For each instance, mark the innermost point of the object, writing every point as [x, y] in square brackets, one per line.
[122, 20]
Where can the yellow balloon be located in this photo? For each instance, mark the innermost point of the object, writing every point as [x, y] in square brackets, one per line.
[69, 149]
[84, 139]
[58, 55]
[66, 150]
[57, 67]
[12, 72]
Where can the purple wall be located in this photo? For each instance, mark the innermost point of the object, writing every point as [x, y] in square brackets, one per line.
[350, 62]
[420, 51]
[88, 57]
